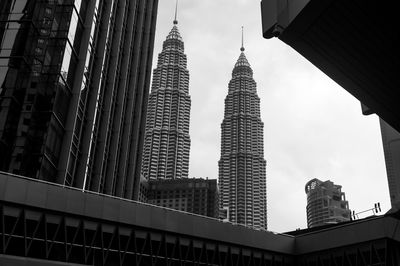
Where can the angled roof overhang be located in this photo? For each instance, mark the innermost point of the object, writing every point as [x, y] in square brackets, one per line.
[356, 43]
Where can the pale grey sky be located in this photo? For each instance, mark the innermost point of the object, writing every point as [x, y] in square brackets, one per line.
[312, 127]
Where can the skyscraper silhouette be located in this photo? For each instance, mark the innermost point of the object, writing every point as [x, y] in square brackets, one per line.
[167, 140]
[242, 174]
[74, 82]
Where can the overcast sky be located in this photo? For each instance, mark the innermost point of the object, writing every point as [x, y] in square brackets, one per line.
[312, 127]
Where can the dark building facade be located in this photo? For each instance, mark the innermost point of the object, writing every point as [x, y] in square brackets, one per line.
[391, 151]
[194, 195]
[74, 80]
[242, 173]
[167, 141]
[329, 34]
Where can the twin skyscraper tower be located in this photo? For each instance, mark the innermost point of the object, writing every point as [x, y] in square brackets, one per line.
[242, 167]
[167, 141]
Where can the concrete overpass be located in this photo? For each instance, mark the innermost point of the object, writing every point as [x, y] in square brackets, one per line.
[45, 221]
[47, 224]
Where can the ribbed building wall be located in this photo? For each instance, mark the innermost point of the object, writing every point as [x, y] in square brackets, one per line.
[111, 137]
[76, 114]
[242, 174]
[167, 140]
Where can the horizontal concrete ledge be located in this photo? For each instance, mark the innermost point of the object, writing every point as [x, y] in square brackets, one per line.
[53, 197]
[374, 228]
[6, 260]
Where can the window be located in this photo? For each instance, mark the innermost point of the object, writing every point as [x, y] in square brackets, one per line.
[38, 50]
[48, 11]
[41, 41]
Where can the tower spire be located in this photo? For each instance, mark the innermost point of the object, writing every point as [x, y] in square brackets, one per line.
[242, 48]
[176, 12]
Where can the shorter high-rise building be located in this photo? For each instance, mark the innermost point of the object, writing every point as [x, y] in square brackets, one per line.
[194, 195]
[326, 203]
[143, 189]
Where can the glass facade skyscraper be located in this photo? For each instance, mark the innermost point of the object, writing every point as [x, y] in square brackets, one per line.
[74, 79]
[242, 174]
